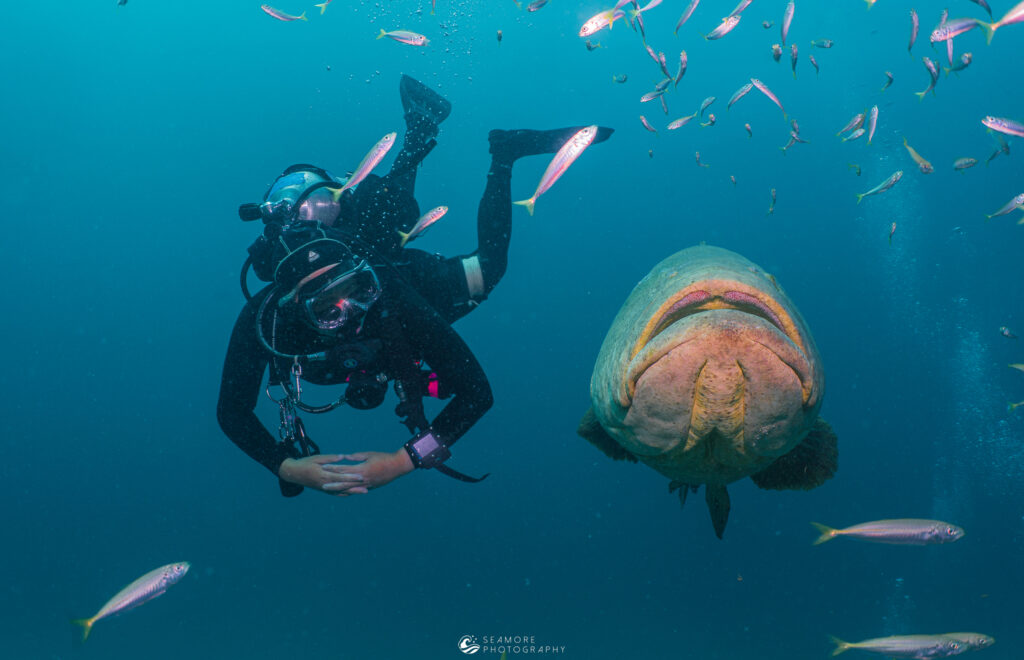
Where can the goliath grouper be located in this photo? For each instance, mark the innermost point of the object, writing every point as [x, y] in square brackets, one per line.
[708, 375]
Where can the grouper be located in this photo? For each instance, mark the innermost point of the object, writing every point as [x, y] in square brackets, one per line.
[709, 375]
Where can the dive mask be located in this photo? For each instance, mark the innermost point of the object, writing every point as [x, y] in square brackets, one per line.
[303, 193]
[335, 296]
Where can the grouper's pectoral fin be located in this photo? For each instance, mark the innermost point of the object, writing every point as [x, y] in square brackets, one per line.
[806, 466]
[592, 431]
[717, 498]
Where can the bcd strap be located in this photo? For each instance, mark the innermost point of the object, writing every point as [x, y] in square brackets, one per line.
[404, 368]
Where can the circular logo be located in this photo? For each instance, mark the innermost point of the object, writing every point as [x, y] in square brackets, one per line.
[468, 645]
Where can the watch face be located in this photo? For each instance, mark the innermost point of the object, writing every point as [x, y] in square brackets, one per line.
[425, 444]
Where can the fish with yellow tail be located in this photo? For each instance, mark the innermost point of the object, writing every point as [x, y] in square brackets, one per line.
[405, 37]
[565, 157]
[323, 7]
[142, 590]
[904, 531]
[370, 161]
[1015, 15]
[922, 164]
[883, 186]
[918, 647]
[421, 226]
[280, 15]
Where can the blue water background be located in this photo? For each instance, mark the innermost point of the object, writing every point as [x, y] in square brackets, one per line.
[130, 136]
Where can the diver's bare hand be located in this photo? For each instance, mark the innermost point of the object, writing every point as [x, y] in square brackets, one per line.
[315, 472]
[376, 468]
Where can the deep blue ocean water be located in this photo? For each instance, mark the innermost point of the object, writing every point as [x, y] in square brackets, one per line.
[131, 134]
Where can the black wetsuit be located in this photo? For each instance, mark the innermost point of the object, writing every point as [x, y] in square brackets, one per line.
[426, 291]
[453, 285]
[426, 335]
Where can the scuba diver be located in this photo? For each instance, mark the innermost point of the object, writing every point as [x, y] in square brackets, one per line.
[348, 304]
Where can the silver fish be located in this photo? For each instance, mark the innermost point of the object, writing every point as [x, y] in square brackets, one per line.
[787, 19]
[280, 15]
[565, 157]
[142, 590]
[906, 531]
[1009, 207]
[705, 103]
[421, 226]
[882, 187]
[761, 87]
[740, 93]
[915, 25]
[725, 28]
[682, 121]
[1007, 126]
[370, 161]
[687, 14]
[918, 647]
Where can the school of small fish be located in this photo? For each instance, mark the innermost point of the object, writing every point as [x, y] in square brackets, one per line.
[906, 532]
[946, 31]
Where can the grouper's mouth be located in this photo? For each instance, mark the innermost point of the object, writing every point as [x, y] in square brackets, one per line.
[712, 295]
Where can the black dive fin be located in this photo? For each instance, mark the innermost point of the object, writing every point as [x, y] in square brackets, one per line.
[717, 498]
[591, 430]
[806, 466]
[515, 144]
[418, 99]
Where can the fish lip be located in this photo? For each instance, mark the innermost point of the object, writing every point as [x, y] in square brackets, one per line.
[730, 294]
[727, 295]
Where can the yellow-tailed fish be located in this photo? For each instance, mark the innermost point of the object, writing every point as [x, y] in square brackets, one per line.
[687, 14]
[924, 165]
[569, 152]
[427, 219]
[933, 72]
[918, 646]
[370, 161]
[323, 6]
[1003, 125]
[904, 531]
[761, 87]
[599, 21]
[1015, 15]
[854, 124]
[872, 122]
[883, 186]
[405, 37]
[142, 590]
[725, 27]
[787, 20]
[1014, 203]
[281, 16]
[915, 25]
[682, 121]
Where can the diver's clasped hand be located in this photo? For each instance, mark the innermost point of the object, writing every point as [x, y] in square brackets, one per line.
[372, 468]
[316, 472]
